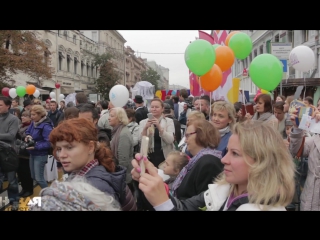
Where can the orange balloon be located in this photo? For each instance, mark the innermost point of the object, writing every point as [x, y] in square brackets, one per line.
[224, 57]
[229, 36]
[30, 89]
[212, 79]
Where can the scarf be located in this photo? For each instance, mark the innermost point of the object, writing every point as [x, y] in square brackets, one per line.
[263, 116]
[36, 124]
[115, 139]
[192, 162]
[25, 124]
[224, 131]
[150, 134]
[60, 197]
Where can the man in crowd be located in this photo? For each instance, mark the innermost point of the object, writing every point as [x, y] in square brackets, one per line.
[9, 126]
[141, 111]
[54, 114]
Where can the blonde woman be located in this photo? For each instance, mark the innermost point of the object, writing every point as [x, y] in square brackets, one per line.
[223, 117]
[38, 132]
[122, 141]
[258, 175]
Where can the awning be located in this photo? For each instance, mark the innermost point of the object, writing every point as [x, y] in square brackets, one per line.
[43, 92]
[66, 90]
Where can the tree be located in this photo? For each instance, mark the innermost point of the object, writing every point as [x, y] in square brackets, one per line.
[151, 76]
[22, 52]
[108, 76]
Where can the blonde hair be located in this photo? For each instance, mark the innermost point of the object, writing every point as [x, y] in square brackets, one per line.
[271, 177]
[38, 109]
[121, 115]
[223, 105]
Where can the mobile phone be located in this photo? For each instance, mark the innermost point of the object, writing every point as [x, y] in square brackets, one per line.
[150, 116]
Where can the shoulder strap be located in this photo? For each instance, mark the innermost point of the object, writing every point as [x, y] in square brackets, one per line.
[133, 129]
[300, 152]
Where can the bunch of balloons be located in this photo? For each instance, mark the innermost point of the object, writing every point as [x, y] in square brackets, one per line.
[53, 95]
[20, 91]
[209, 61]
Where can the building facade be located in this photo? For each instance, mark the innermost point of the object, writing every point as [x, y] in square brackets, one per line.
[163, 82]
[262, 42]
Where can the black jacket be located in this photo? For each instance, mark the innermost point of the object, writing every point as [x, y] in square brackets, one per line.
[141, 113]
[196, 203]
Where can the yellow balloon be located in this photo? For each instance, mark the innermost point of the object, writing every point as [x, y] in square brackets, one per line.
[159, 94]
[264, 91]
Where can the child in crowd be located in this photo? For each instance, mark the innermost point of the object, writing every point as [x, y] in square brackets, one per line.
[173, 164]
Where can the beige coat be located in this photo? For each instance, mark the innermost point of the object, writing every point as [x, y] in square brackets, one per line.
[167, 136]
[310, 197]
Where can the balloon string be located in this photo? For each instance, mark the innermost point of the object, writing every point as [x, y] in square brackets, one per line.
[305, 87]
[210, 103]
[200, 90]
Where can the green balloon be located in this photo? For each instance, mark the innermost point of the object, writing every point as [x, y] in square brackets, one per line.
[215, 46]
[266, 71]
[21, 91]
[241, 45]
[200, 57]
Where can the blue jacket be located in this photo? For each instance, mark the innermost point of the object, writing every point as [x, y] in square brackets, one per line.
[223, 144]
[40, 135]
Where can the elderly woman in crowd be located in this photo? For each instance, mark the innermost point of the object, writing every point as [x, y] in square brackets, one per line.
[37, 135]
[122, 141]
[258, 175]
[76, 195]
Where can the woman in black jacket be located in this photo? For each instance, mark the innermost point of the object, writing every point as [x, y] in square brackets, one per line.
[24, 173]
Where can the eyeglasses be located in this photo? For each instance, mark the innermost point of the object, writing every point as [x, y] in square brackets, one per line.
[189, 134]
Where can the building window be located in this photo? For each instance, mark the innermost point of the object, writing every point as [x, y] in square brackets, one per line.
[255, 53]
[68, 62]
[61, 57]
[261, 49]
[88, 72]
[92, 71]
[276, 38]
[95, 36]
[75, 65]
[74, 39]
[82, 67]
[65, 33]
[305, 35]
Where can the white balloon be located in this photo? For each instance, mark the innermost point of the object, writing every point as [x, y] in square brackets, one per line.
[61, 96]
[12, 93]
[302, 58]
[119, 95]
[36, 93]
[52, 95]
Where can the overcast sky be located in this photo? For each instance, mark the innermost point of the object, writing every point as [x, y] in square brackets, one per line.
[165, 47]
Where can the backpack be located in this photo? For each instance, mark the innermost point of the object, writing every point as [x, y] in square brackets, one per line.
[9, 159]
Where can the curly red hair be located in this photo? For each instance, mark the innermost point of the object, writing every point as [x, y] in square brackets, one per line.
[84, 131]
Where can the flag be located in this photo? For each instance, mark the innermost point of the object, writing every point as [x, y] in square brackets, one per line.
[221, 93]
[206, 36]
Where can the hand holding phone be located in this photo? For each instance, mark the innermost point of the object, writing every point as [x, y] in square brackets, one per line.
[150, 116]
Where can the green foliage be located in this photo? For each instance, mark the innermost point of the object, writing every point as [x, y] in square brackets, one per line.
[151, 76]
[108, 75]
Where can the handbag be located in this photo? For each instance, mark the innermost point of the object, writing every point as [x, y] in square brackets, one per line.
[9, 159]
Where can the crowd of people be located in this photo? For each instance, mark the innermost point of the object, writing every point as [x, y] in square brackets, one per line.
[202, 155]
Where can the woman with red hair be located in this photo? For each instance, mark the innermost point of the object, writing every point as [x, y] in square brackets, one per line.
[76, 146]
